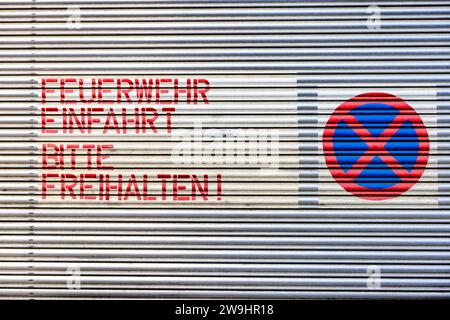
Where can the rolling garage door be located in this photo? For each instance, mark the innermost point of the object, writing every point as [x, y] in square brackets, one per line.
[224, 149]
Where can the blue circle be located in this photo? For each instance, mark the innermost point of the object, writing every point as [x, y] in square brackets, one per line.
[349, 146]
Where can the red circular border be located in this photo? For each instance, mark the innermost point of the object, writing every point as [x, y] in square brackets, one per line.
[346, 180]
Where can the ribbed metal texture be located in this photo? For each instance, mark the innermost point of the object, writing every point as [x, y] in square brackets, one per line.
[292, 185]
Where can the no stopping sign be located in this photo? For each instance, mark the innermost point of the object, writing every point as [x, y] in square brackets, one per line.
[376, 146]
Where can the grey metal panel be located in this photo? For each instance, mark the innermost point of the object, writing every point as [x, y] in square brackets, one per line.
[272, 65]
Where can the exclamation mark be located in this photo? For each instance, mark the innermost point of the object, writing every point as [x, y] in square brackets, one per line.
[219, 187]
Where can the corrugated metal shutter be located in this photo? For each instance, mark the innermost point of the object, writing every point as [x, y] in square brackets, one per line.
[286, 224]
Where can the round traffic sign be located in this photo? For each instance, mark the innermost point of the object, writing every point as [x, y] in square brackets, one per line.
[376, 146]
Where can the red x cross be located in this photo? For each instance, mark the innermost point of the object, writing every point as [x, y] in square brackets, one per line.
[376, 145]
